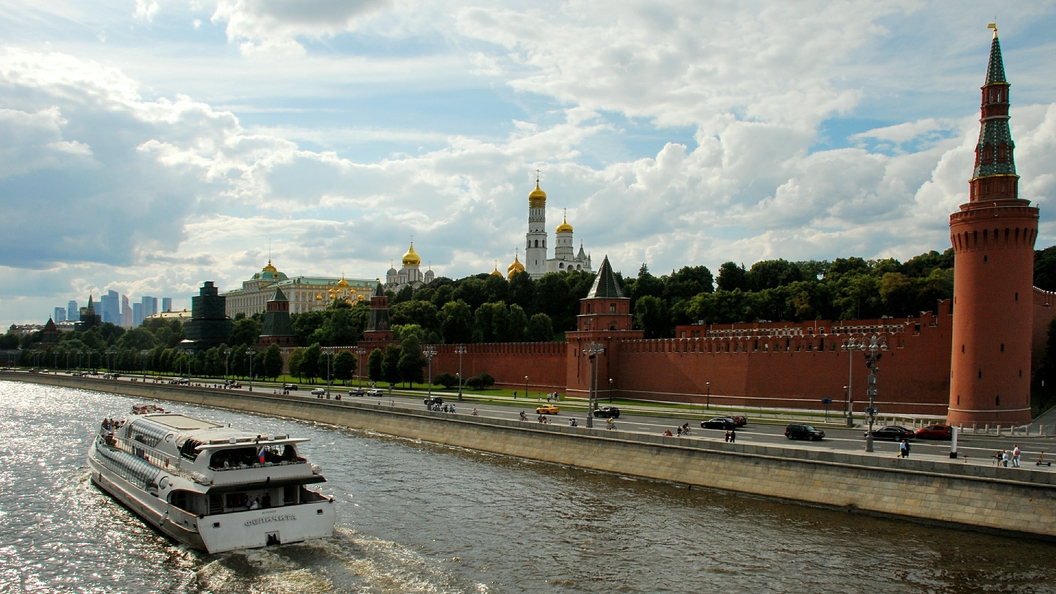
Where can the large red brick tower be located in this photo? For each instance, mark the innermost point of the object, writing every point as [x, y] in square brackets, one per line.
[993, 239]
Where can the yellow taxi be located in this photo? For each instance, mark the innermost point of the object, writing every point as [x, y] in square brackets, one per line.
[548, 409]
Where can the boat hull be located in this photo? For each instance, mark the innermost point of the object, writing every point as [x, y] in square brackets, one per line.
[221, 532]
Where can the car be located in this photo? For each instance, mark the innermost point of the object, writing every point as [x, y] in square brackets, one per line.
[607, 412]
[548, 409]
[290, 387]
[375, 392]
[318, 391]
[740, 420]
[358, 392]
[892, 432]
[719, 423]
[935, 432]
[432, 401]
[803, 431]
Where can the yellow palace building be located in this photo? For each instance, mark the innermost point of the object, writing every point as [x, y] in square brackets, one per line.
[305, 293]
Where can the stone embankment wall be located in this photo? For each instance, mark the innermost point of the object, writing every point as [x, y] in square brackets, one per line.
[1004, 499]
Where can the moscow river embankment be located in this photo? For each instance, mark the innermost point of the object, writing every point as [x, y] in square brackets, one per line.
[991, 498]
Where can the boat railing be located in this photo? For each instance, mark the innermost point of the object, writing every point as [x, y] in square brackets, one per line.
[258, 465]
[142, 450]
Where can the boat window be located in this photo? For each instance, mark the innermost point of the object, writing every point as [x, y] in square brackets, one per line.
[236, 500]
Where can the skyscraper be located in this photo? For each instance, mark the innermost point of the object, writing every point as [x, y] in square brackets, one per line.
[137, 314]
[166, 304]
[110, 304]
[60, 315]
[126, 312]
[72, 311]
[150, 307]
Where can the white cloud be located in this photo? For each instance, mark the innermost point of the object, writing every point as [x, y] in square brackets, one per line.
[274, 26]
[146, 10]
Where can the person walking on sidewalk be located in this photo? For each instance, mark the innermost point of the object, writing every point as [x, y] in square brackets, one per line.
[903, 449]
[1015, 455]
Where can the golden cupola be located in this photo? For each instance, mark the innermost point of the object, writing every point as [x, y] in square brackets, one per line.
[537, 199]
[496, 271]
[270, 268]
[342, 283]
[564, 227]
[515, 267]
[411, 258]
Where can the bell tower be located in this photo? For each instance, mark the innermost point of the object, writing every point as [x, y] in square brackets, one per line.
[993, 240]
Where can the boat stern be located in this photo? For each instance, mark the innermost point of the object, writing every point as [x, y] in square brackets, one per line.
[267, 527]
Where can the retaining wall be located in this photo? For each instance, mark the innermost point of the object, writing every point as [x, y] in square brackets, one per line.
[1004, 499]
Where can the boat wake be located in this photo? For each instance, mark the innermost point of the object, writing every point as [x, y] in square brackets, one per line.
[348, 562]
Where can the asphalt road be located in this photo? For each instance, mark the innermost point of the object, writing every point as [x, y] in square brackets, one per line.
[977, 447]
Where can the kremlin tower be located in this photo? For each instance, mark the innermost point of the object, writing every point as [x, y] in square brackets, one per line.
[993, 238]
[535, 239]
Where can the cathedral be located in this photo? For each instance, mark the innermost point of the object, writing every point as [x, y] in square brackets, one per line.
[536, 264]
[410, 275]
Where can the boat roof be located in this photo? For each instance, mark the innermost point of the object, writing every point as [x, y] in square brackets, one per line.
[212, 435]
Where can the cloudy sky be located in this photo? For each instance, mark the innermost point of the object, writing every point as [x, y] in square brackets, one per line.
[149, 145]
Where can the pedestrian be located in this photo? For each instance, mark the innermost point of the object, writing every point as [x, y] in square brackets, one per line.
[903, 449]
[733, 435]
[1015, 455]
[727, 436]
[679, 431]
[1004, 458]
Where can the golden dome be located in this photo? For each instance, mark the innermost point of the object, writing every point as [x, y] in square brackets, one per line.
[270, 268]
[342, 283]
[496, 271]
[514, 268]
[318, 297]
[537, 199]
[564, 227]
[411, 258]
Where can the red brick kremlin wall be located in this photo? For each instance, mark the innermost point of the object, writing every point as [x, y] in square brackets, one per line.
[508, 363]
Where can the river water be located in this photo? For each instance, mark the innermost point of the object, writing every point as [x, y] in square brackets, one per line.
[415, 517]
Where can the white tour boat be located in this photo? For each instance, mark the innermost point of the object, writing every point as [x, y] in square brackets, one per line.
[209, 486]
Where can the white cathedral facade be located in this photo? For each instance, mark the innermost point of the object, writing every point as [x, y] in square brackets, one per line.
[536, 264]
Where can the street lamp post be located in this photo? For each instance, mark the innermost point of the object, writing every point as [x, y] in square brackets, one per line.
[610, 390]
[251, 351]
[146, 356]
[461, 350]
[872, 358]
[227, 368]
[68, 353]
[329, 354]
[850, 345]
[110, 360]
[79, 355]
[592, 351]
[526, 387]
[707, 403]
[429, 351]
[360, 351]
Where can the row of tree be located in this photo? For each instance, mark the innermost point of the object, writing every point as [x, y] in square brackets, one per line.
[490, 308]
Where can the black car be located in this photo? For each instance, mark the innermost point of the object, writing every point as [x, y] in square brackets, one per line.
[434, 401]
[892, 432]
[607, 412]
[802, 431]
[719, 423]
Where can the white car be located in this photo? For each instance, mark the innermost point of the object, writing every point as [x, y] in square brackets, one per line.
[318, 391]
[375, 392]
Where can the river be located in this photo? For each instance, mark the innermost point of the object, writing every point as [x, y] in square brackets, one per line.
[416, 517]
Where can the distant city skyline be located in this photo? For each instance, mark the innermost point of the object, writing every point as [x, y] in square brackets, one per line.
[152, 146]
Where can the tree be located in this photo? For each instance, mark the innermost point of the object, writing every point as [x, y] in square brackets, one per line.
[344, 365]
[540, 329]
[375, 362]
[456, 322]
[650, 314]
[244, 332]
[411, 361]
[313, 366]
[522, 292]
[492, 320]
[732, 276]
[390, 367]
[306, 323]
[688, 282]
[295, 361]
[473, 291]
[422, 313]
[272, 361]
[516, 324]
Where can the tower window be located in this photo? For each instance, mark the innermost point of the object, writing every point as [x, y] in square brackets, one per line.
[980, 374]
[985, 258]
[536, 243]
[1017, 295]
[958, 399]
[1002, 348]
[962, 348]
[997, 401]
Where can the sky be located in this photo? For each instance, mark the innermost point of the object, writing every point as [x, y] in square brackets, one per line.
[147, 146]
